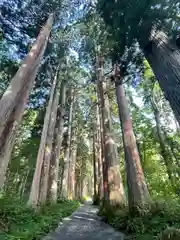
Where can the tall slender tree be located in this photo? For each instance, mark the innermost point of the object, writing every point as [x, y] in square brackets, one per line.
[72, 162]
[167, 157]
[100, 150]
[113, 186]
[14, 100]
[94, 129]
[138, 194]
[49, 144]
[36, 183]
[66, 169]
[57, 143]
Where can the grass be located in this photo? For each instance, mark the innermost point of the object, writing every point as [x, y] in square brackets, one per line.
[18, 222]
[159, 222]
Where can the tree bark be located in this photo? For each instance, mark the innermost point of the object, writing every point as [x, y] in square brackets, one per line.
[95, 163]
[55, 156]
[102, 114]
[114, 191]
[14, 100]
[72, 155]
[164, 59]
[99, 155]
[48, 146]
[10, 134]
[99, 158]
[167, 157]
[71, 181]
[138, 194]
[64, 190]
[35, 187]
[102, 184]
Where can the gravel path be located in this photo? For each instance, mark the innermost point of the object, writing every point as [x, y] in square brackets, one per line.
[84, 224]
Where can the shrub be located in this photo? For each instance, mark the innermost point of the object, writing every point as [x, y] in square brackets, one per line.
[154, 222]
[17, 221]
[170, 234]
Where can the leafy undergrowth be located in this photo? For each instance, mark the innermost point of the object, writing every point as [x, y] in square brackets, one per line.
[159, 222]
[17, 221]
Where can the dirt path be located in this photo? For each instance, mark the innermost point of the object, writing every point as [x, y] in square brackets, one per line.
[84, 224]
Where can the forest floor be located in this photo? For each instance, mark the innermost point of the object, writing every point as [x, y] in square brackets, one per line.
[18, 221]
[84, 224]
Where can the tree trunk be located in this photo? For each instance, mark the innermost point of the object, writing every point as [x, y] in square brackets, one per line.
[77, 183]
[102, 191]
[164, 150]
[100, 149]
[95, 163]
[25, 183]
[114, 191]
[72, 155]
[102, 105]
[58, 136]
[164, 58]
[138, 194]
[14, 100]
[35, 187]
[48, 146]
[64, 191]
[10, 134]
[71, 181]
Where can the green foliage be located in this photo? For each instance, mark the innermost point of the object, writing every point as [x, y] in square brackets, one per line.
[171, 233]
[17, 221]
[130, 22]
[161, 221]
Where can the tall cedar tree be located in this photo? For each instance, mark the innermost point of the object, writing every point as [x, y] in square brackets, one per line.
[34, 198]
[14, 100]
[113, 186]
[66, 167]
[56, 149]
[138, 194]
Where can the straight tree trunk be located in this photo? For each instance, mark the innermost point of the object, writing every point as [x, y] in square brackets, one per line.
[164, 59]
[35, 187]
[138, 194]
[95, 163]
[64, 190]
[167, 157]
[112, 176]
[10, 135]
[55, 156]
[101, 106]
[116, 189]
[99, 155]
[14, 100]
[77, 183]
[73, 154]
[25, 183]
[102, 184]
[48, 146]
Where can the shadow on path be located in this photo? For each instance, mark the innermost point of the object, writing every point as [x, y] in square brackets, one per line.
[84, 224]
